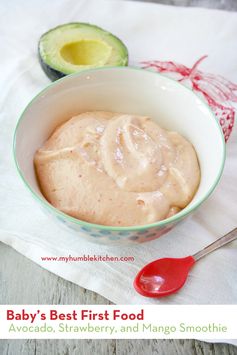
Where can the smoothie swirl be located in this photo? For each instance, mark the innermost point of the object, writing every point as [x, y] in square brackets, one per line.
[117, 169]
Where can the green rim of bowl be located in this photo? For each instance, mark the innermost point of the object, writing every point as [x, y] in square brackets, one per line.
[177, 217]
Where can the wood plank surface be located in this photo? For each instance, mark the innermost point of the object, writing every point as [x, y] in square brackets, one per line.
[230, 5]
[24, 282]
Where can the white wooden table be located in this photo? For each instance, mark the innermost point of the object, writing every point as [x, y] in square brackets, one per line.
[23, 282]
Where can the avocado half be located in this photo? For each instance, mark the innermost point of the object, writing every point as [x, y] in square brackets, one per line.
[73, 47]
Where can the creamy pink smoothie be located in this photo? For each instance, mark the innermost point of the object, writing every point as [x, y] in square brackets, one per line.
[117, 169]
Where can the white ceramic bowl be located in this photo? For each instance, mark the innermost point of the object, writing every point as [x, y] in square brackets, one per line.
[127, 90]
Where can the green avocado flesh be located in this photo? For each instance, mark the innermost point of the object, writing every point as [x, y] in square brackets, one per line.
[73, 47]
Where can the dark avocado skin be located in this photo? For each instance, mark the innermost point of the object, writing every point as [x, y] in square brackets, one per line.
[51, 73]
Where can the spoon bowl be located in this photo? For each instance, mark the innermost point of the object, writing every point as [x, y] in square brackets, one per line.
[163, 277]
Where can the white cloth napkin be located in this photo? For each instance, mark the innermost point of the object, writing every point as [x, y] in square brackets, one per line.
[150, 32]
